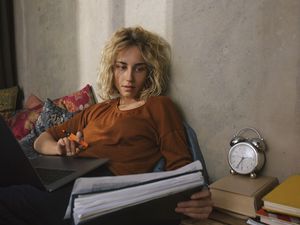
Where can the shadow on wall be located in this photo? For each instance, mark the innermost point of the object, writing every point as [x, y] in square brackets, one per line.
[117, 15]
[51, 41]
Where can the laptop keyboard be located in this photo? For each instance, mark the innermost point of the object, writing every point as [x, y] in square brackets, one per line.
[48, 176]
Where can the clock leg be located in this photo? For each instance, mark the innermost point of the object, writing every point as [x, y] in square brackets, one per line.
[233, 172]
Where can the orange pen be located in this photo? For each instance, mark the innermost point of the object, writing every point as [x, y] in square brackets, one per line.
[72, 137]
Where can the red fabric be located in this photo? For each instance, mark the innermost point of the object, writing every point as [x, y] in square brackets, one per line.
[32, 101]
[78, 100]
[24, 120]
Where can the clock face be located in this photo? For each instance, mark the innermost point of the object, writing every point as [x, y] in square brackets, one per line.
[242, 158]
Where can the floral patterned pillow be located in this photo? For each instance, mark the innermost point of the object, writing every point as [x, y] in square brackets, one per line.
[23, 121]
[50, 115]
[78, 100]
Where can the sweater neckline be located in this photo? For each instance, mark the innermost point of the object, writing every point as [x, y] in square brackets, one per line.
[128, 110]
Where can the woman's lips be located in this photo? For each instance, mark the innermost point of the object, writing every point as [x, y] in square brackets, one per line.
[128, 87]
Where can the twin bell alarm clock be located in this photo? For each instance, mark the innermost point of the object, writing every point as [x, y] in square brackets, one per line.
[246, 155]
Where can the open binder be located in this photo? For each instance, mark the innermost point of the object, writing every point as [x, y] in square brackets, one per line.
[148, 198]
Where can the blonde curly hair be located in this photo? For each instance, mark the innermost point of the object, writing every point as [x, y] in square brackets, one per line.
[155, 51]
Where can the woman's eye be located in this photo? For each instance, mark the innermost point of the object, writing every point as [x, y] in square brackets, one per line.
[140, 69]
[120, 67]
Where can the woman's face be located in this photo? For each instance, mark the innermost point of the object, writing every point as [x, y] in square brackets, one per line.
[130, 73]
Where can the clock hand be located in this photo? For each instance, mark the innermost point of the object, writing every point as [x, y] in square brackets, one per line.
[237, 166]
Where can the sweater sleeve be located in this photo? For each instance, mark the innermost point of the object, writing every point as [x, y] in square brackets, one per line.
[80, 120]
[172, 136]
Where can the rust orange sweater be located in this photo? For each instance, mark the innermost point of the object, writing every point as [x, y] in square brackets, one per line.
[134, 140]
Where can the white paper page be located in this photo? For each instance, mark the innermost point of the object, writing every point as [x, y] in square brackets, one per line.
[131, 202]
[126, 193]
[93, 184]
[100, 204]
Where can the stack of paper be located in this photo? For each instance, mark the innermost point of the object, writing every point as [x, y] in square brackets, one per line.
[277, 218]
[95, 197]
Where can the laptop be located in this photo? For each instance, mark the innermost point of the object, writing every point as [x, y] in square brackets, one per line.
[45, 172]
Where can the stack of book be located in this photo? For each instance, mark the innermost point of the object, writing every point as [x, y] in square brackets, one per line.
[282, 204]
[239, 195]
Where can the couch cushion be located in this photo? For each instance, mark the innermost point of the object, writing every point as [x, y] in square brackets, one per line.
[22, 121]
[78, 100]
[50, 115]
[32, 102]
[8, 101]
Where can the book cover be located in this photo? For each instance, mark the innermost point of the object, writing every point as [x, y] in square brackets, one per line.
[285, 198]
[277, 218]
[241, 194]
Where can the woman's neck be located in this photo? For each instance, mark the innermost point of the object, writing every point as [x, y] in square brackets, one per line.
[127, 104]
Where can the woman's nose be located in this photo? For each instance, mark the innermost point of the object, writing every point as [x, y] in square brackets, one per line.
[129, 74]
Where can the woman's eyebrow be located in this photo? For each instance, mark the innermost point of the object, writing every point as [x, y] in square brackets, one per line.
[137, 64]
[121, 62]
[141, 64]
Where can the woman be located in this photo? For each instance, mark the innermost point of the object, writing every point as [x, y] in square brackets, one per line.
[135, 125]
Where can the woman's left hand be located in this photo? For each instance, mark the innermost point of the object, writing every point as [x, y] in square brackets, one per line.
[198, 207]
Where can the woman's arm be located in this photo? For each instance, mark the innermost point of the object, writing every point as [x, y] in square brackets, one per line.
[174, 148]
[172, 137]
[54, 141]
[47, 145]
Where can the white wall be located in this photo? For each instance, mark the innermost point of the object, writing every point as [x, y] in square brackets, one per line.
[236, 63]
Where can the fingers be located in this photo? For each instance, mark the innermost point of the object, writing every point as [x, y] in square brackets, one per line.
[82, 144]
[67, 147]
[200, 198]
[199, 203]
[199, 207]
[204, 193]
[79, 136]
